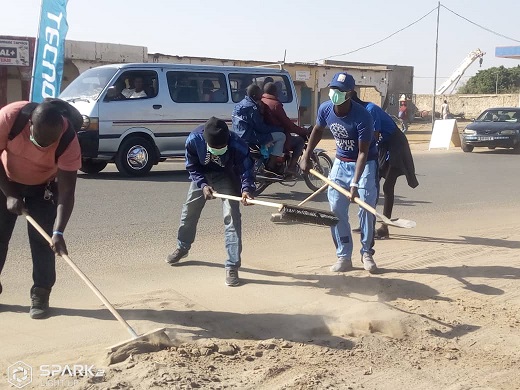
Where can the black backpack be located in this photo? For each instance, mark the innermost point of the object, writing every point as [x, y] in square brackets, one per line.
[68, 111]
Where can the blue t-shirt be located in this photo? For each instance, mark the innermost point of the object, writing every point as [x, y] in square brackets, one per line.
[382, 121]
[356, 126]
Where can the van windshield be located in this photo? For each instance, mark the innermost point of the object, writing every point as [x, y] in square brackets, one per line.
[88, 85]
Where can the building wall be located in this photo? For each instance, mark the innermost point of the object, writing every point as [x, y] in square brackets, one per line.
[375, 82]
[468, 105]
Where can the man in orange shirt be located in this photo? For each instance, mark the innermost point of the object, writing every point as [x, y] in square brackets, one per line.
[37, 174]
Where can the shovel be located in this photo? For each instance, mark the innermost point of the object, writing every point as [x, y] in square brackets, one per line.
[153, 337]
[399, 222]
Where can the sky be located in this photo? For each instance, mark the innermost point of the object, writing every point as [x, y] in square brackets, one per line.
[307, 30]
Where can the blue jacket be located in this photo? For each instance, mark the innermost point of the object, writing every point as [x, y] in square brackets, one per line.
[236, 161]
[249, 124]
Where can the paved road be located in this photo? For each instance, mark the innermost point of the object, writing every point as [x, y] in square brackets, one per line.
[128, 225]
[122, 230]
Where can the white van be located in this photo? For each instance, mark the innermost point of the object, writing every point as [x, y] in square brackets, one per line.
[137, 115]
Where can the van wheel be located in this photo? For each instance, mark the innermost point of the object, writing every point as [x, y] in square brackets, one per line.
[135, 156]
[91, 166]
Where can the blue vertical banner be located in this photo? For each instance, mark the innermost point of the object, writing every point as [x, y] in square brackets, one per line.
[49, 53]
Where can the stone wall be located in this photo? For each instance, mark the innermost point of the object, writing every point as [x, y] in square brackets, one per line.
[468, 105]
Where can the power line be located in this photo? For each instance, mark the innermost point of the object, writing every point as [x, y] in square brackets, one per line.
[478, 25]
[381, 40]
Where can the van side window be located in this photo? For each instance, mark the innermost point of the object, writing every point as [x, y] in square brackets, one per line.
[134, 84]
[239, 82]
[197, 87]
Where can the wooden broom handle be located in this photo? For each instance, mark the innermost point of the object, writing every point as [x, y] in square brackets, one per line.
[337, 187]
[252, 201]
[318, 191]
[84, 277]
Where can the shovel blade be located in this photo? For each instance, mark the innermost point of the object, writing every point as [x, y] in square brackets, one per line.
[399, 222]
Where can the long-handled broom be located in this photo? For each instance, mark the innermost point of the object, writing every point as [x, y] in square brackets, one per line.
[157, 336]
[292, 213]
[400, 222]
[278, 217]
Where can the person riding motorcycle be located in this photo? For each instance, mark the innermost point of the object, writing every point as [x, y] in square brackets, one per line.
[249, 124]
[275, 115]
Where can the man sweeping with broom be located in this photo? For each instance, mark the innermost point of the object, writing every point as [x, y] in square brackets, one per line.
[40, 156]
[217, 160]
[355, 168]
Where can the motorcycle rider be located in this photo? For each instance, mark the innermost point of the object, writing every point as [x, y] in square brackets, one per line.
[275, 115]
[249, 124]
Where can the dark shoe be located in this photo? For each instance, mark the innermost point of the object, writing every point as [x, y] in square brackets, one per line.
[382, 233]
[232, 279]
[356, 230]
[39, 303]
[176, 256]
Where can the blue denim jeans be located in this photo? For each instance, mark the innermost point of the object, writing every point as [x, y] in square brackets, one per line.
[192, 209]
[342, 174]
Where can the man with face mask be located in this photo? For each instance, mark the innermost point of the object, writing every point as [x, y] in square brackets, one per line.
[37, 178]
[355, 168]
[217, 160]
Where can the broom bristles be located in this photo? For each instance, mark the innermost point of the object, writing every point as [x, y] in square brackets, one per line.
[308, 215]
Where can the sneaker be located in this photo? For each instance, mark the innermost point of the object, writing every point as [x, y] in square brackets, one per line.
[232, 279]
[368, 263]
[176, 256]
[342, 265]
[39, 303]
[382, 233]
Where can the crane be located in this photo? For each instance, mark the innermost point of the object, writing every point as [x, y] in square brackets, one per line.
[459, 72]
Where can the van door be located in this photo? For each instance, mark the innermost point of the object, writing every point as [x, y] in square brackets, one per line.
[192, 98]
[133, 104]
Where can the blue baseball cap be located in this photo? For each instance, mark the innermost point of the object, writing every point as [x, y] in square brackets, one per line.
[343, 81]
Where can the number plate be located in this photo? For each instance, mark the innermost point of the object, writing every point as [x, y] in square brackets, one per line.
[485, 138]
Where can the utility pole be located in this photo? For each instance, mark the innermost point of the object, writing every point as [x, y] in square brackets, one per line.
[436, 56]
[496, 86]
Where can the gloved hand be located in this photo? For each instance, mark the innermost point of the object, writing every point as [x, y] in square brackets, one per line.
[208, 192]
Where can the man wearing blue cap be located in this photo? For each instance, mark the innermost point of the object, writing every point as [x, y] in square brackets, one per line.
[355, 168]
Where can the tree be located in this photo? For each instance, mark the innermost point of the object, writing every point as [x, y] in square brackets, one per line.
[488, 81]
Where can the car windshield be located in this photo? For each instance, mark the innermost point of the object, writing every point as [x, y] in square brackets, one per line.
[512, 116]
[88, 85]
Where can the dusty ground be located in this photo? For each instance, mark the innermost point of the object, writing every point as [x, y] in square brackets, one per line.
[441, 316]
[444, 314]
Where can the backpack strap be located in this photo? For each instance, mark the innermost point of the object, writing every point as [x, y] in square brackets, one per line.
[65, 140]
[21, 120]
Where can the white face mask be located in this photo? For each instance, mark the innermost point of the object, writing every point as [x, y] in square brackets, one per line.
[337, 97]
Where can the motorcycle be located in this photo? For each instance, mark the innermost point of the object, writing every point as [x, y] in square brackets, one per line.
[321, 162]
